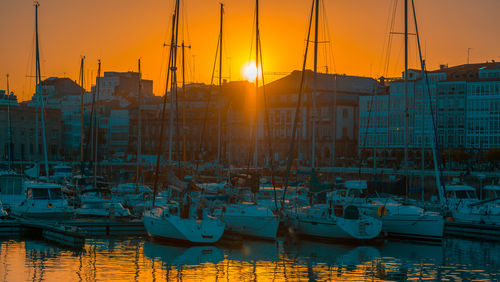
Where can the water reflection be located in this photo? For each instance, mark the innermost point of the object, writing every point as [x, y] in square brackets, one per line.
[136, 259]
[177, 256]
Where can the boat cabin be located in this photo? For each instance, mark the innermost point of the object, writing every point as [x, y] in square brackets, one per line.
[63, 171]
[43, 191]
[463, 192]
[491, 192]
[349, 189]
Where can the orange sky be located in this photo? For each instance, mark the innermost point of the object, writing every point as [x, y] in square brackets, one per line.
[121, 31]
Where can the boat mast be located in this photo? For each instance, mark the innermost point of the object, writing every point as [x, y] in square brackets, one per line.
[434, 142]
[313, 94]
[297, 111]
[406, 101]
[173, 85]
[220, 90]
[96, 122]
[255, 153]
[81, 110]
[40, 100]
[139, 129]
[9, 125]
[183, 106]
[162, 118]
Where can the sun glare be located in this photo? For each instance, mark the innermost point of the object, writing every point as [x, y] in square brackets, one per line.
[250, 71]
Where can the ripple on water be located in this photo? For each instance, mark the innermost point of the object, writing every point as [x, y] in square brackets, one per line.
[132, 259]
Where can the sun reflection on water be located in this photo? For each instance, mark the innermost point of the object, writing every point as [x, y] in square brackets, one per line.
[138, 259]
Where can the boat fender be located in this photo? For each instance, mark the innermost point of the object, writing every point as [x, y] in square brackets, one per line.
[338, 210]
[381, 211]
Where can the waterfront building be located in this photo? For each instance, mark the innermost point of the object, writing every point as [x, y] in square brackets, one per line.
[336, 110]
[23, 129]
[465, 100]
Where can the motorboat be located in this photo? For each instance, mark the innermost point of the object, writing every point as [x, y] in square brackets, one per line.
[43, 200]
[464, 206]
[180, 222]
[99, 203]
[399, 219]
[249, 219]
[321, 221]
[136, 197]
[491, 192]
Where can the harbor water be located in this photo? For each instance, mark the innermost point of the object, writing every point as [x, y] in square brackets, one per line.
[140, 259]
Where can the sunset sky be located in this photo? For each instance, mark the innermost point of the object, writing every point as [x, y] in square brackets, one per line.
[120, 31]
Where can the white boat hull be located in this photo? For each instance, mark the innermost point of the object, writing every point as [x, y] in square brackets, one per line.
[318, 222]
[172, 227]
[265, 227]
[426, 227]
[339, 228]
[46, 211]
[251, 220]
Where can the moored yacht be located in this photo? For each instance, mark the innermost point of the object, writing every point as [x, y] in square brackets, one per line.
[98, 203]
[321, 221]
[43, 200]
[177, 222]
[399, 219]
[136, 197]
[465, 207]
[249, 219]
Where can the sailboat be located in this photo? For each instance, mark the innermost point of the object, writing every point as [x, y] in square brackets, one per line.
[174, 220]
[398, 219]
[248, 218]
[42, 200]
[320, 220]
[136, 196]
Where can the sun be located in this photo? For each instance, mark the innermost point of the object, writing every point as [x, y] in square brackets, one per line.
[250, 71]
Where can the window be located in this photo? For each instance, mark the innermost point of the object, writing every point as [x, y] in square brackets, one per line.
[55, 194]
[40, 194]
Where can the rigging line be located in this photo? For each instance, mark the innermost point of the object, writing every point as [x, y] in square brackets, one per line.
[268, 126]
[253, 127]
[381, 65]
[297, 110]
[372, 98]
[90, 134]
[330, 44]
[251, 40]
[162, 119]
[437, 155]
[389, 41]
[205, 116]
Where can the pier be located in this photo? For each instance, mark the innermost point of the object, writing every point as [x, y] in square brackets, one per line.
[71, 233]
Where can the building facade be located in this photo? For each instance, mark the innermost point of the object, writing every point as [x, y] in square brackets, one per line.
[464, 101]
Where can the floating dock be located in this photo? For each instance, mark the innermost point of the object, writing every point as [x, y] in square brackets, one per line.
[71, 233]
[105, 227]
[10, 227]
[62, 234]
[472, 230]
